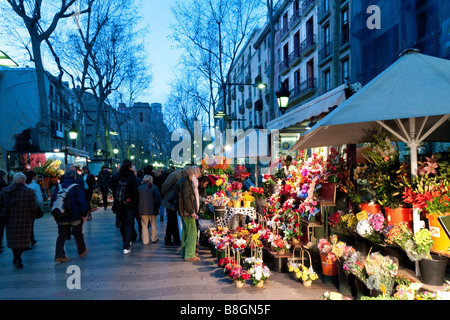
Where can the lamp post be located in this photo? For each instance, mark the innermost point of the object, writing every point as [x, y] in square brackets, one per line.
[283, 98]
[116, 150]
[73, 134]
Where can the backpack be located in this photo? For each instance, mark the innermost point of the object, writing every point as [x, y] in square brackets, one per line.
[61, 207]
[121, 192]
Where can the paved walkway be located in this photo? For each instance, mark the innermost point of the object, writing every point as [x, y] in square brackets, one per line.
[150, 272]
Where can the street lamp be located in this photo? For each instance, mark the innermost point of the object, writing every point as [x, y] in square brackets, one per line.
[73, 134]
[283, 98]
[116, 150]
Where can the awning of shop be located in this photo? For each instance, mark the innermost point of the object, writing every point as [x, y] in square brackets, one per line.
[310, 109]
[6, 61]
[253, 145]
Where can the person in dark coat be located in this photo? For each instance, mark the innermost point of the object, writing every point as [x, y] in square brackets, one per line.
[3, 184]
[88, 185]
[74, 222]
[127, 210]
[167, 192]
[78, 177]
[21, 208]
[149, 201]
[104, 181]
[161, 179]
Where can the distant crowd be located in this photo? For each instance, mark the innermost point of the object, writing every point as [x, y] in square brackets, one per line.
[139, 196]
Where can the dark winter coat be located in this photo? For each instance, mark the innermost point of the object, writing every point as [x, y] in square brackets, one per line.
[187, 198]
[90, 181]
[129, 177]
[78, 201]
[104, 179]
[149, 200]
[20, 213]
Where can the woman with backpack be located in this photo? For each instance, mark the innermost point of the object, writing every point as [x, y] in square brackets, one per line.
[126, 201]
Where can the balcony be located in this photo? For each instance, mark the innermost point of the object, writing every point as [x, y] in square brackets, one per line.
[295, 19]
[303, 89]
[307, 5]
[295, 57]
[284, 66]
[325, 52]
[284, 32]
[308, 45]
[241, 109]
[259, 105]
[324, 11]
[248, 103]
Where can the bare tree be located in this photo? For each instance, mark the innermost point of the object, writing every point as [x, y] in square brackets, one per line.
[104, 55]
[212, 33]
[40, 30]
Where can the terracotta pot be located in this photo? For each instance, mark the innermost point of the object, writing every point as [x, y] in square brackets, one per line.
[328, 269]
[441, 242]
[397, 215]
[373, 209]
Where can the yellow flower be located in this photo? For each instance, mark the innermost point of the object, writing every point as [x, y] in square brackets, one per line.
[219, 182]
[298, 275]
[296, 270]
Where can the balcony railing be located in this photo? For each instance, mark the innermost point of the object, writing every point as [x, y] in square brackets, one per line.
[284, 31]
[325, 52]
[303, 88]
[284, 66]
[295, 57]
[295, 19]
[308, 45]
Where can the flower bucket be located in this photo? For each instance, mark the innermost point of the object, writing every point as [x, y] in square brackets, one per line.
[307, 283]
[238, 283]
[236, 204]
[432, 272]
[441, 242]
[346, 281]
[247, 204]
[260, 284]
[397, 215]
[328, 268]
[373, 209]
[333, 179]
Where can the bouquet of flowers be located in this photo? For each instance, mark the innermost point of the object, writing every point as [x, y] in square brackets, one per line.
[252, 261]
[247, 196]
[219, 199]
[335, 164]
[259, 272]
[336, 220]
[239, 274]
[239, 244]
[381, 271]
[258, 193]
[50, 169]
[356, 264]
[279, 244]
[400, 235]
[370, 226]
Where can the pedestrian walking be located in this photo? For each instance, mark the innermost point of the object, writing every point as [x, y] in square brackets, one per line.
[170, 202]
[78, 177]
[31, 183]
[104, 182]
[88, 186]
[74, 221]
[161, 179]
[149, 202]
[189, 206]
[20, 208]
[126, 201]
[3, 184]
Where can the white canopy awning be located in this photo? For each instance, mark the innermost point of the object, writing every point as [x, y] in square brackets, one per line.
[310, 109]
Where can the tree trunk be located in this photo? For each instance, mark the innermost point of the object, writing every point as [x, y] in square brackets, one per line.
[43, 125]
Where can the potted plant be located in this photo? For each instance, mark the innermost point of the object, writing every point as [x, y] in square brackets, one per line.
[390, 178]
[259, 273]
[239, 276]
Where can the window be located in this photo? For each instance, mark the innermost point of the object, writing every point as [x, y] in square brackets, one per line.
[345, 29]
[326, 80]
[345, 70]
